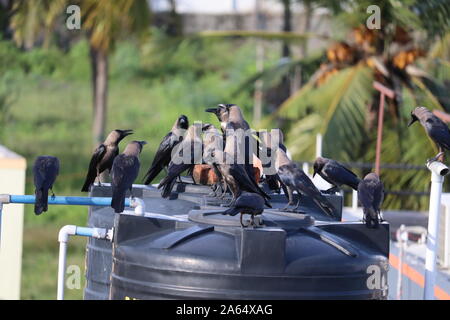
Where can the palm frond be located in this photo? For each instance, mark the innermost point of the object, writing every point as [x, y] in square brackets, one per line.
[342, 105]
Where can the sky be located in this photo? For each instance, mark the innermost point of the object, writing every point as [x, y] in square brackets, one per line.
[215, 6]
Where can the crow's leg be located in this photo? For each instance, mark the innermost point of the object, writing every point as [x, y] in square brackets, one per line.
[242, 222]
[297, 205]
[290, 198]
[438, 157]
[53, 194]
[98, 178]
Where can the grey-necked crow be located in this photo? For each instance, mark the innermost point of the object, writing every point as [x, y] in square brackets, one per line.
[103, 156]
[436, 129]
[125, 170]
[296, 180]
[163, 155]
[371, 195]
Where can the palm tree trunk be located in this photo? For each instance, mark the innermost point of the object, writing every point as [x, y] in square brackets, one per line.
[99, 64]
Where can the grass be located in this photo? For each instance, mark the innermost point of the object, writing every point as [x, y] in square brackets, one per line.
[40, 263]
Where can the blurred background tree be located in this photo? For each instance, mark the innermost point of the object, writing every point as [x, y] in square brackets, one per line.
[104, 23]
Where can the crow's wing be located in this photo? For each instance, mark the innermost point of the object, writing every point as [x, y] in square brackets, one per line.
[438, 131]
[39, 172]
[98, 155]
[244, 181]
[366, 193]
[162, 156]
[341, 174]
[125, 170]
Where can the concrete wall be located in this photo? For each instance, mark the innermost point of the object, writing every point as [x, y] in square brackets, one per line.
[12, 181]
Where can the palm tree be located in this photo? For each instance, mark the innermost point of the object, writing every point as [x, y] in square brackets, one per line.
[103, 22]
[339, 100]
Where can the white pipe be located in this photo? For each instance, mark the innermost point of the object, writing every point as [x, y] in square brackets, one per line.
[354, 200]
[4, 198]
[63, 238]
[402, 238]
[438, 171]
[319, 145]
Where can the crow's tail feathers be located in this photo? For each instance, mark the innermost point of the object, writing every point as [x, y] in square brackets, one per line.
[231, 212]
[41, 203]
[152, 173]
[118, 201]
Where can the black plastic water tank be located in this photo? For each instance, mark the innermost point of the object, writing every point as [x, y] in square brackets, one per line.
[99, 252]
[210, 256]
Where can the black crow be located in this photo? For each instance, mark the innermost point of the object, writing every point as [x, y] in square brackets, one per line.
[103, 157]
[296, 180]
[247, 203]
[125, 170]
[184, 156]
[436, 129]
[163, 155]
[335, 173]
[45, 170]
[371, 195]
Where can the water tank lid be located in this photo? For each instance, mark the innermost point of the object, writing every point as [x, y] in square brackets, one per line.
[270, 218]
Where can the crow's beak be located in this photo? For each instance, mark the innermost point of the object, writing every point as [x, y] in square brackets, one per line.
[143, 142]
[127, 132]
[411, 121]
[314, 174]
[212, 110]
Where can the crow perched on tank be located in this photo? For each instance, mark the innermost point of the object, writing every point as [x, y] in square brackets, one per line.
[45, 171]
[371, 195]
[235, 174]
[103, 156]
[296, 180]
[234, 125]
[163, 155]
[184, 156]
[335, 173]
[247, 203]
[125, 170]
[436, 129]
[212, 149]
[269, 146]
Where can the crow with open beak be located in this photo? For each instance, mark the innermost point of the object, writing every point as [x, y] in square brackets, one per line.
[103, 157]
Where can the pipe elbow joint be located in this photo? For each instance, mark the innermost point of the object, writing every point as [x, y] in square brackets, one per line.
[65, 232]
[438, 168]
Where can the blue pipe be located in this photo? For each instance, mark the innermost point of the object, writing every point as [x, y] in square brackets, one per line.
[84, 231]
[62, 200]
